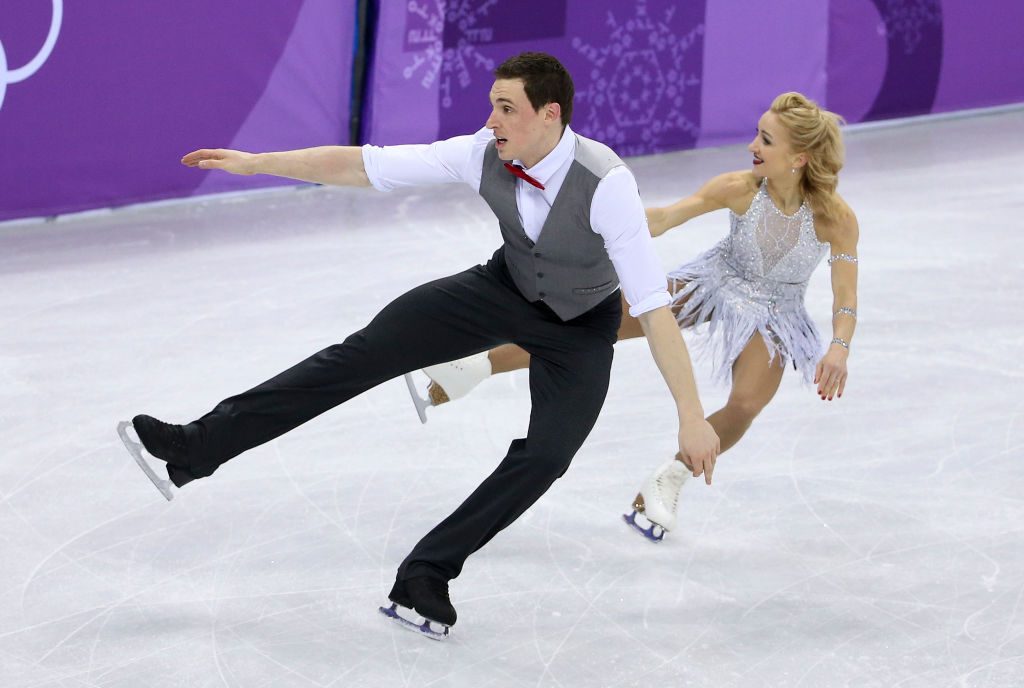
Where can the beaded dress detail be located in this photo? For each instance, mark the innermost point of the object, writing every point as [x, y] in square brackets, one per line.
[754, 280]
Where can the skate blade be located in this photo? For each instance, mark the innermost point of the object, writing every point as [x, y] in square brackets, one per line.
[136, 449]
[435, 630]
[654, 533]
[420, 403]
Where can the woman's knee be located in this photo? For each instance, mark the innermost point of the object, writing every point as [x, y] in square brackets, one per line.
[745, 406]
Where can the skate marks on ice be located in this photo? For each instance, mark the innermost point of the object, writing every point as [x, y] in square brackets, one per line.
[871, 542]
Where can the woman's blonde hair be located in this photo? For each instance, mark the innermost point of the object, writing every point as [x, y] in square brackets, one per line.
[814, 131]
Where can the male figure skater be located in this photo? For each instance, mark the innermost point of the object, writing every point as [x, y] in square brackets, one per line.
[573, 230]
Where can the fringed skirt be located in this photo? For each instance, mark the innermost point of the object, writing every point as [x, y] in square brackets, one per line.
[708, 290]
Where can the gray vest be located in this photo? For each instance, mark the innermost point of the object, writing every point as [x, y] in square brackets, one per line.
[568, 268]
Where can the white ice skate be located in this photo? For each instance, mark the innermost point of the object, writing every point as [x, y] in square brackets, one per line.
[148, 464]
[449, 381]
[660, 500]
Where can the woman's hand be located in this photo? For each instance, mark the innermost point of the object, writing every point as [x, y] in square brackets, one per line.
[830, 375]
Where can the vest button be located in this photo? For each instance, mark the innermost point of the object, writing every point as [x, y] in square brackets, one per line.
[536, 254]
[540, 274]
[541, 294]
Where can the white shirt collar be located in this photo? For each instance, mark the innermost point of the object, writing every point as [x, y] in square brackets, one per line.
[553, 161]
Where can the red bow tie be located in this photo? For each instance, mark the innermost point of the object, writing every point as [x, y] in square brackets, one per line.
[519, 172]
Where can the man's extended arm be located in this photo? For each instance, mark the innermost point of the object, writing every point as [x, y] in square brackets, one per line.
[618, 215]
[336, 165]
[698, 443]
[457, 159]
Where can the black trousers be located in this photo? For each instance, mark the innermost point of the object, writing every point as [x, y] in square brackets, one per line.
[441, 321]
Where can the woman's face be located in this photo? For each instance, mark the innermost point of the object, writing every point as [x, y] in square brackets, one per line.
[773, 153]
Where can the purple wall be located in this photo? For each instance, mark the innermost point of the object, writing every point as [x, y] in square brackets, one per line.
[655, 75]
[637, 66]
[98, 111]
[132, 85]
[893, 58]
[752, 55]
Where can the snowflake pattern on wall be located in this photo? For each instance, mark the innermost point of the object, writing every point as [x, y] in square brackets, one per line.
[451, 67]
[640, 89]
[908, 20]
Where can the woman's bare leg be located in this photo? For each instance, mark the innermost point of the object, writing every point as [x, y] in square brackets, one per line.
[509, 357]
[754, 384]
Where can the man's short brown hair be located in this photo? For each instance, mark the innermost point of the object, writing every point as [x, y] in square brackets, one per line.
[544, 79]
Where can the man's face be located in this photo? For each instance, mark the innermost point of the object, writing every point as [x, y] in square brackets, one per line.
[521, 131]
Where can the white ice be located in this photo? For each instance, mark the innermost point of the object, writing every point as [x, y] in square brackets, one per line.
[876, 540]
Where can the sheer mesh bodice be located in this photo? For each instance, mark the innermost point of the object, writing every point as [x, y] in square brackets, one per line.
[754, 280]
[764, 243]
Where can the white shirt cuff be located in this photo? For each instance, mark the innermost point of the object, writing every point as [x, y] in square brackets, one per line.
[372, 167]
[650, 303]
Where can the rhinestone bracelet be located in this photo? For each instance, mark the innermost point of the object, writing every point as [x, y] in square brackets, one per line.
[842, 256]
[845, 310]
[841, 342]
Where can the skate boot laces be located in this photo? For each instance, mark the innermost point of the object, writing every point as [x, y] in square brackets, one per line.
[173, 435]
[669, 483]
[658, 501]
[163, 440]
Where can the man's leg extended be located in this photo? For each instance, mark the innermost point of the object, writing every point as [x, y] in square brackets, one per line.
[452, 316]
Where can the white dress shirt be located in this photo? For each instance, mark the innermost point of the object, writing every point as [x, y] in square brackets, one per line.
[616, 212]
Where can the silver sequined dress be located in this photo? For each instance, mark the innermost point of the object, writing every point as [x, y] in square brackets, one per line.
[754, 280]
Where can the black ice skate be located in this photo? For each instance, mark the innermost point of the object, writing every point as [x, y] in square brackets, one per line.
[155, 440]
[421, 604]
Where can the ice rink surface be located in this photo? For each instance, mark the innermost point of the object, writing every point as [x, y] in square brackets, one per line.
[872, 541]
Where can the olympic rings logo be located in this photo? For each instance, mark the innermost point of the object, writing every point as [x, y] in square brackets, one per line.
[13, 76]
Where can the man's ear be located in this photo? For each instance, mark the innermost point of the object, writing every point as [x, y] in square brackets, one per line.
[553, 112]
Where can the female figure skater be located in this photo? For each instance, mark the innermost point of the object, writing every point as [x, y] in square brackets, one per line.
[784, 215]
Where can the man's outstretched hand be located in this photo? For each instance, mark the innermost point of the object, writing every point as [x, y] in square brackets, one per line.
[235, 162]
